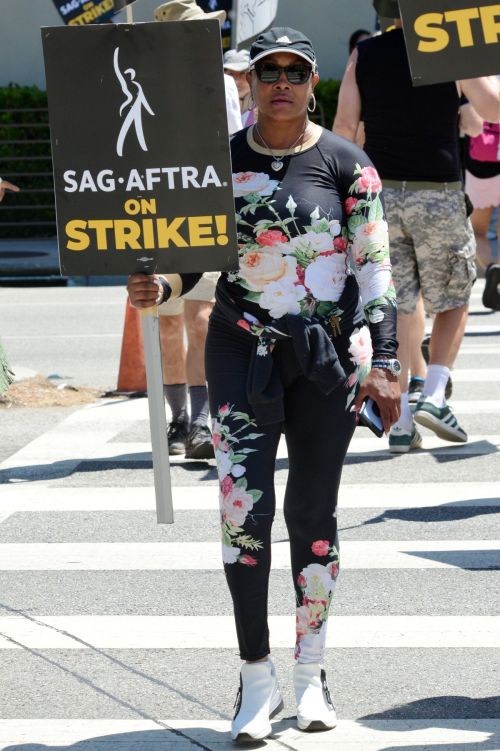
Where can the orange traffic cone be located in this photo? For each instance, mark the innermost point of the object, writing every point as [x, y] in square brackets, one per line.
[132, 373]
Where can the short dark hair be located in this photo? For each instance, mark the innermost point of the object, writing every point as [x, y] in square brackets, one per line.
[354, 38]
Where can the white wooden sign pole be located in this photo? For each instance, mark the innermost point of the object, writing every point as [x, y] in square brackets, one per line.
[157, 416]
[156, 404]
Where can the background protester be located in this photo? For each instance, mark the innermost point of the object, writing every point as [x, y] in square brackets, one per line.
[184, 367]
[356, 37]
[236, 64]
[417, 156]
[482, 184]
[289, 347]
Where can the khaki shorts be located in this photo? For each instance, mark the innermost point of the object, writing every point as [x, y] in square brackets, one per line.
[432, 247]
[203, 291]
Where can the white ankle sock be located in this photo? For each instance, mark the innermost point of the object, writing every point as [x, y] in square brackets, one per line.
[405, 421]
[435, 384]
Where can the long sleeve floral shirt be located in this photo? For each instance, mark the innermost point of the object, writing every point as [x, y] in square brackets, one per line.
[306, 230]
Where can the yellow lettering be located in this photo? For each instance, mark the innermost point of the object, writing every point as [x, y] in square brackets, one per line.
[170, 232]
[148, 207]
[439, 37]
[101, 226]
[462, 18]
[491, 27]
[132, 206]
[200, 231]
[75, 231]
[148, 234]
[127, 233]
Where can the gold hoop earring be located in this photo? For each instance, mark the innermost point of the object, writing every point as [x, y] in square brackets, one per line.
[313, 100]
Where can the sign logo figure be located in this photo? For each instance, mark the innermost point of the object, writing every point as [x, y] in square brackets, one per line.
[134, 114]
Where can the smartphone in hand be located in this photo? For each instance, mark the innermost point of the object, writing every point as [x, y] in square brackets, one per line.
[369, 416]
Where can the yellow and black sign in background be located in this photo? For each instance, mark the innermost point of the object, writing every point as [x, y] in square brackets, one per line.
[81, 12]
[448, 40]
[140, 148]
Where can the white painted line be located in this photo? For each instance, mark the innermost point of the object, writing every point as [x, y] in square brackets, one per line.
[79, 436]
[217, 632]
[362, 443]
[69, 450]
[471, 347]
[42, 498]
[481, 328]
[349, 735]
[30, 337]
[475, 407]
[473, 328]
[476, 375]
[204, 556]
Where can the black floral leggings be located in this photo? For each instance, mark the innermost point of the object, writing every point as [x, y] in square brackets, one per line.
[318, 429]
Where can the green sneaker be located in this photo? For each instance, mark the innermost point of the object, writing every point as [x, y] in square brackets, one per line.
[441, 420]
[400, 442]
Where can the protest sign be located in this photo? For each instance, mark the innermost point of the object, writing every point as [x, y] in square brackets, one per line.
[252, 18]
[81, 12]
[448, 40]
[140, 148]
[226, 28]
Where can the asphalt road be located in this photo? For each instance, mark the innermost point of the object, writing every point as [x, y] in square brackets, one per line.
[116, 632]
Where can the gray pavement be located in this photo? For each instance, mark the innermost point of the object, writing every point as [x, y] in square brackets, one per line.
[52, 482]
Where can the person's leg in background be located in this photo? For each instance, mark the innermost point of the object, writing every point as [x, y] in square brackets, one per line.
[481, 219]
[245, 454]
[445, 250]
[318, 430]
[404, 435]
[485, 196]
[199, 442]
[418, 366]
[173, 355]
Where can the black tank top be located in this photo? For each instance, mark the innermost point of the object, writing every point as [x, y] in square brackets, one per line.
[411, 132]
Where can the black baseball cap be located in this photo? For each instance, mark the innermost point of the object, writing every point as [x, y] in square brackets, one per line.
[282, 39]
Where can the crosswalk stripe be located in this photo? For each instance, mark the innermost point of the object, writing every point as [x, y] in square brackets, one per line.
[205, 556]
[470, 347]
[25, 497]
[477, 445]
[88, 449]
[76, 438]
[476, 375]
[349, 735]
[217, 632]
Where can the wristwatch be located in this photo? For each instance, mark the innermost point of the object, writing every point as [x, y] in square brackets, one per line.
[390, 364]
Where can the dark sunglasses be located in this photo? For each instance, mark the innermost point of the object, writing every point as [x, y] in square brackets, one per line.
[296, 73]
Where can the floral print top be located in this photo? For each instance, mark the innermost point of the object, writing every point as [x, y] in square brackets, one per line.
[304, 230]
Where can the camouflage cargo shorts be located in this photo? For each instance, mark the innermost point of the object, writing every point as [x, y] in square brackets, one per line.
[432, 247]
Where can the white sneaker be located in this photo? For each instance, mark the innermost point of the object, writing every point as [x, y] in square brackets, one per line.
[258, 700]
[315, 710]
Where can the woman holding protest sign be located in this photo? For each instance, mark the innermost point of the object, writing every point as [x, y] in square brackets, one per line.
[289, 346]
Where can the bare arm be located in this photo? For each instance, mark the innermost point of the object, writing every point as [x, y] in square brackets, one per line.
[349, 104]
[470, 122]
[6, 185]
[484, 95]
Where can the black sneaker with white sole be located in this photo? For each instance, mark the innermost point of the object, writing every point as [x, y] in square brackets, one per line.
[199, 443]
[177, 434]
